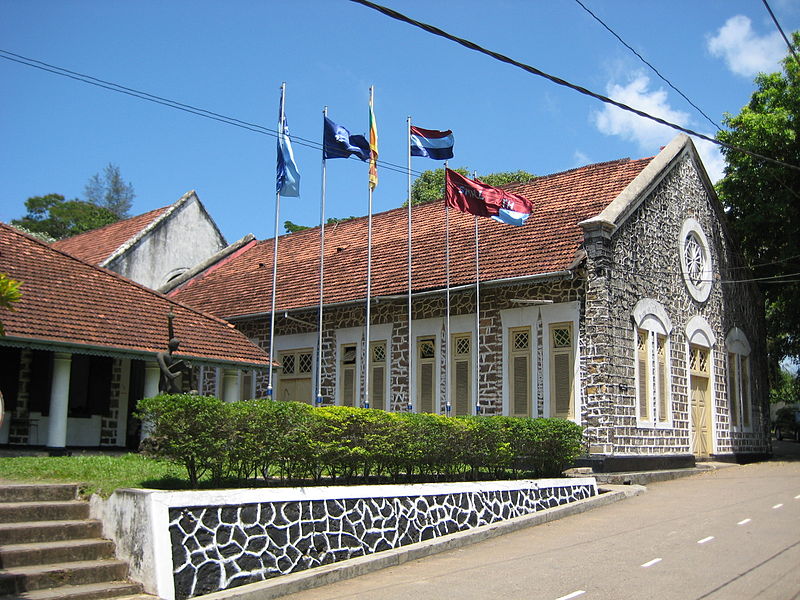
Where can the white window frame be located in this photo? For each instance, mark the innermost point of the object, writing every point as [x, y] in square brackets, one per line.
[736, 344]
[428, 328]
[649, 315]
[566, 312]
[355, 336]
[296, 341]
[510, 319]
[699, 333]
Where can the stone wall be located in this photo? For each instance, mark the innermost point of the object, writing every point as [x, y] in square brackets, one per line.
[641, 260]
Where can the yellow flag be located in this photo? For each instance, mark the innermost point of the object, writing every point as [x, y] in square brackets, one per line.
[373, 147]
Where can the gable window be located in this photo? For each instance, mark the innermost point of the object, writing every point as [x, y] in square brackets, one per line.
[562, 378]
[653, 368]
[739, 390]
[695, 259]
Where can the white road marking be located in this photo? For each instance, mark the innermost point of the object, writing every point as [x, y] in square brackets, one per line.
[744, 522]
[797, 497]
[705, 539]
[572, 595]
[650, 563]
[778, 505]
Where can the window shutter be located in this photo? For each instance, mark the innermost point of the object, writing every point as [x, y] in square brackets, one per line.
[348, 386]
[746, 408]
[642, 363]
[663, 390]
[521, 386]
[426, 388]
[461, 390]
[733, 389]
[376, 388]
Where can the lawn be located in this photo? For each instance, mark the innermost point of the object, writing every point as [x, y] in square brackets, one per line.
[95, 473]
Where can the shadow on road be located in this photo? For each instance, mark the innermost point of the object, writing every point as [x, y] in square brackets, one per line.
[785, 450]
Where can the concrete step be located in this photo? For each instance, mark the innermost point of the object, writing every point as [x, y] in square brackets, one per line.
[44, 492]
[41, 577]
[48, 531]
[63, 510]
[119, 590]
[42, 553]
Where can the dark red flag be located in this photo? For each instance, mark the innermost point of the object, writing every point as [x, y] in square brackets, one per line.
[477, 198]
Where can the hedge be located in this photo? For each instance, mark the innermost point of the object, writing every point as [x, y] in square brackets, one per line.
[291, 441]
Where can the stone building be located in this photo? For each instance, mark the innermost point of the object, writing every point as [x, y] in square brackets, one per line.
[81, 345]
[621, 304]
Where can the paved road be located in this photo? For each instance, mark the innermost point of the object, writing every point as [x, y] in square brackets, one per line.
[733, 533]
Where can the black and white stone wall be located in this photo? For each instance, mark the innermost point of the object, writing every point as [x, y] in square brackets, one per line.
[222, 546]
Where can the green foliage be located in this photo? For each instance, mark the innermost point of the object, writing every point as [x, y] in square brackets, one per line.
[291, 227]
[293, 441]
[110, 191]
[762, 200]
[786, 389]
[9, 293]
[429, 186]
[58, 218]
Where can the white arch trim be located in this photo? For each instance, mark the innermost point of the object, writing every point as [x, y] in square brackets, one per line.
[650, 314]
[736, 341]
[699, 332]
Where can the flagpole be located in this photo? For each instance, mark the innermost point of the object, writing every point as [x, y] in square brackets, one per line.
[411, 348]
[321, 264]
[477, 322]
[275, 259]
[448, 406]
[369, 258]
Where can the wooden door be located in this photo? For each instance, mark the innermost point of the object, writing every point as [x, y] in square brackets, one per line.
[699, 359]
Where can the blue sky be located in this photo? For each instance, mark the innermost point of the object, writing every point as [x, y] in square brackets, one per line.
[231, 58]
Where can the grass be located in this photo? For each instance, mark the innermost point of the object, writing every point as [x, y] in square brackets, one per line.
[96, 474]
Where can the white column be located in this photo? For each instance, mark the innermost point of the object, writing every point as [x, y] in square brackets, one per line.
[152, 373]
[231, 388]
[59, 401]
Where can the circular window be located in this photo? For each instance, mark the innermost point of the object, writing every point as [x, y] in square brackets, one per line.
[695, 260]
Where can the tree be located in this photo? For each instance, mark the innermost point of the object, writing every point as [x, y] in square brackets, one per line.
[291, 227]
[110, 191]
[762, 200]
[429, 186]
[9, 293]
[58, 218]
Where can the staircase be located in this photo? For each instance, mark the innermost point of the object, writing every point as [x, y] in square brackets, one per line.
[50, 549]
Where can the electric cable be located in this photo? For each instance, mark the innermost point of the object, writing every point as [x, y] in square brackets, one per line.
[778, 25]
[562, 82]
[656, 71]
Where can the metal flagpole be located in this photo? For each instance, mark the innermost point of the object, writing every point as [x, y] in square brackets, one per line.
[275, 259]
[448, 406]
[411, 346]
[321, 264]
[369, 266]
[477, 317]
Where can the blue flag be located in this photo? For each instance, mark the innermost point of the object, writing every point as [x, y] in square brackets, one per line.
[287, 181]
[338, 143]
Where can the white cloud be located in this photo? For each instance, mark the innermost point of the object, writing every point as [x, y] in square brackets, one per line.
[580, 159]
[648, 135]
[744, 51]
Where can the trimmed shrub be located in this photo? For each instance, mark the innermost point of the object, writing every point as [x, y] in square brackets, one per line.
[293, 441]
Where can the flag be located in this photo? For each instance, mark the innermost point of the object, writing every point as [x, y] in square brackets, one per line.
[287, 181]
[430, 143]
[373, 148]
[477, 198]
[338, 143]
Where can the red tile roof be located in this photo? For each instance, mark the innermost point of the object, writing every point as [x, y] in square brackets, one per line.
[99, 244]
[66, 301]
[547, 243]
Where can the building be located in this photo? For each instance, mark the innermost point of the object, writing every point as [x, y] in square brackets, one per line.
[155, 248]
[622, 305]
[81, 348]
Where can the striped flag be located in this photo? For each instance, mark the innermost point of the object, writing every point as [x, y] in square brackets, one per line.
[430, 143]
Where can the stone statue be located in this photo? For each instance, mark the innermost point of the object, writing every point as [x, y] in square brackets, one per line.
[171, 368]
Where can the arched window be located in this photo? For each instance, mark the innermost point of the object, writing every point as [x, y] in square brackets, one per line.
[653, 366]
[738, 379]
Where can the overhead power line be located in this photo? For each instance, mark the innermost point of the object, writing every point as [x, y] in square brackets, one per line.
[778, 25]
[557, 80]
[200, 112]
[656, 71]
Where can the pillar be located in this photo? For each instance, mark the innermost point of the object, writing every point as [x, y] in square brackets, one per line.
[231, 389]
[59, 401]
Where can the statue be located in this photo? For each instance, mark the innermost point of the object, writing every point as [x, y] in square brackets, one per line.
[171, 368]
